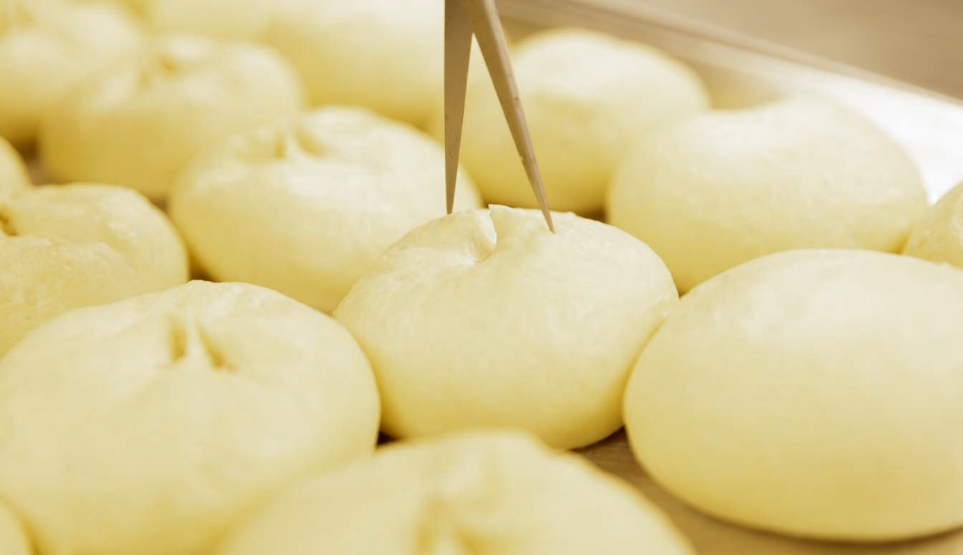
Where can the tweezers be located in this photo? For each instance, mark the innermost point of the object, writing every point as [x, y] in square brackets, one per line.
[463, 20]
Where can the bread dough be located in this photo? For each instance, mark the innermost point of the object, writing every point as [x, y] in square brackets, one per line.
[587, 98]
[938, 236]
[79, 245]
[140, 125]
[13, 173]
[478, 493]
[816, 393]
[145, 427]
[227, 19]
[13, 539]
[384, 55]
[46, 47]
[134, 6]
[306, 208]
[720, 189]
[488, 319]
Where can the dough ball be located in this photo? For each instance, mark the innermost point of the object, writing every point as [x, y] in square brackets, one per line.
[13, 173]
[13, 538]
[938, 236]
[140, 125]
[483, 492]
[815, 393]
[587, 98]
[46, 47]
[720, 189]
[306, 208]
[147, 426]
[486, 318]
[78, 245]
[226, 19]
[385, 55]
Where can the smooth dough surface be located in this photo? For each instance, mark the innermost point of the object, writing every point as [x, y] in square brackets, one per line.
[587, 98]
[226, 19]
[817, 393]
[63, 247]
[480, 493]
[938, 236]
[385, 55]
[13, 538]
[13, 173]
[307, 207]
[488, 319]
[141, 124]
[720, 189]
[46, 47]
[147, 426]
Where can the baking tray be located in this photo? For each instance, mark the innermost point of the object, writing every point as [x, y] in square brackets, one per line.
[740, 71]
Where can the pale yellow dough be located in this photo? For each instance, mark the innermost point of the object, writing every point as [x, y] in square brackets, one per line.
[13, 538]
[46, 47]
[306, 207]
[13, 173]
[227, 19]
[720, 189]
[483, 493]
[817, 393]
[587, 98]
[78, 245]
[939, 234]
[142, 123]
[134, 6]
[488, 319]
[385, 55]
[147, 426]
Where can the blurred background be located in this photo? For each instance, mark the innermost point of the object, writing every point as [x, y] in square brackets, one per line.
[917, 41]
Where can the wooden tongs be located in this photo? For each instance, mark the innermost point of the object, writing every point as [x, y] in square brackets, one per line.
[464, 19]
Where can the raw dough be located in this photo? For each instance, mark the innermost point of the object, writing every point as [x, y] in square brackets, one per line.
[306, 208]
[817, 393]
[720, 189]
[13, 538]
[385, 55]
[147, 426]
[13, 173]
[141, 124]
[939, 234]
[63, 247]
[587, 98]
[226, 19]
[480, 493]
[488, 319]
[46, 47]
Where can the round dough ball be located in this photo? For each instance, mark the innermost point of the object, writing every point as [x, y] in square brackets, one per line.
[307, 207]
[720, 189]
[938, 236]
[484, 492]
[814, 393]
[166, 416]
[140, 125]
[486, 318]
[587, 98]
[46, 47]
[227, 19]
[13, 174]
[63, 247]
[13, 538]
[385, 55]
